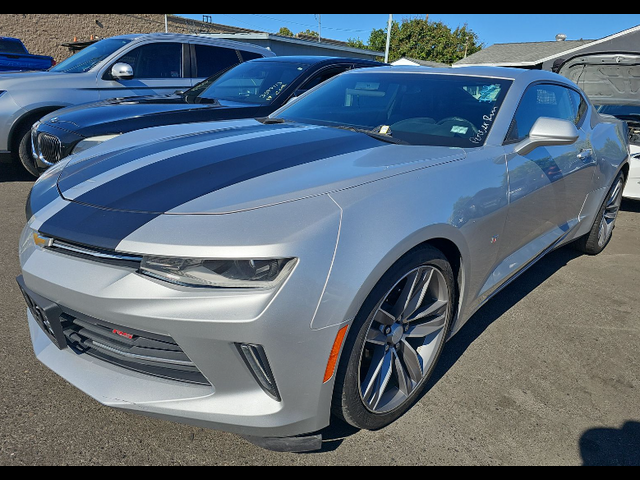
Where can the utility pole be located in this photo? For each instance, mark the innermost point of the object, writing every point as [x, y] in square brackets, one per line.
[166, 23]
[386, 57]
[319, 18]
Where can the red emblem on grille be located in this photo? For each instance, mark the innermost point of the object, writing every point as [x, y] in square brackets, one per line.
[128, 336]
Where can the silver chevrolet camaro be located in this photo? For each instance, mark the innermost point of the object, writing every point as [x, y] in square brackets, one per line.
[258, 276]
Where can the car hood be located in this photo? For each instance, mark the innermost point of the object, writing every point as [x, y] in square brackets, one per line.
[26, 80]
[226, 167]
[606, 78]
[125, 115]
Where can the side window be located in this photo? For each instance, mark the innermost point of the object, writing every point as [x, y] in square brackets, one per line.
[581, 106]
[247, 56]
[156, 61]
[545, 100]
[321, 77]
[213, 60]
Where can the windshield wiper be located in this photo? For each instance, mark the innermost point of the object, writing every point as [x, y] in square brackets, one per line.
[373, 134]
[271, 121]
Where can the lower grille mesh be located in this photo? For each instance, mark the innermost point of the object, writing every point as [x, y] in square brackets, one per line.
[142, 352]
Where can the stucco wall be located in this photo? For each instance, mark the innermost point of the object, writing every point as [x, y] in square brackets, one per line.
[43, 33]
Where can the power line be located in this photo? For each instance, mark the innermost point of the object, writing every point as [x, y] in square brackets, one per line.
[292, 22]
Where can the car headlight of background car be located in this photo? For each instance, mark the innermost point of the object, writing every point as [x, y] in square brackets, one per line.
[88, 143]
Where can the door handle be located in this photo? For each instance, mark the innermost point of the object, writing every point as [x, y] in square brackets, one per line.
[586, 155]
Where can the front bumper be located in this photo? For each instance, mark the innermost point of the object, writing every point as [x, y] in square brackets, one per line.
[632, 190]
[51, 144]
[208, 326]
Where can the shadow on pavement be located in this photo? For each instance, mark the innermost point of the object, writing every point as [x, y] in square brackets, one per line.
[612, 447]
[631, 206]
[10, 173]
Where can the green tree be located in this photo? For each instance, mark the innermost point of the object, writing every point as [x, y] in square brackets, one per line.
[285, 32]
[424, 40]
[310, 33]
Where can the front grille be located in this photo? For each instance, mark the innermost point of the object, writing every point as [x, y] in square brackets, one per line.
[49, 148]
[142, 352]
[94, 254]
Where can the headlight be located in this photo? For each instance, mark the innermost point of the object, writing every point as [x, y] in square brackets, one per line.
[92, 142]
[256, 274]
[31, 241]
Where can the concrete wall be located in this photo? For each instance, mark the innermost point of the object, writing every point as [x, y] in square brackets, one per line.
[43, 33]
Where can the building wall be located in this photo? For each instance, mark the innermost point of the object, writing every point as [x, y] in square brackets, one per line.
[44, 33]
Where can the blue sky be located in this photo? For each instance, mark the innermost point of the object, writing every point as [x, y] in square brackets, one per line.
[491, 28]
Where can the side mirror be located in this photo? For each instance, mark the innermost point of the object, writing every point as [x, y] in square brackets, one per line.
[122, 71]
[548, 132]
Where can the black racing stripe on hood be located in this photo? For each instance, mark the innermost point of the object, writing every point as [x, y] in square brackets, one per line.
[163, 186]
[77, 173]
[107, 215]
[93, 227]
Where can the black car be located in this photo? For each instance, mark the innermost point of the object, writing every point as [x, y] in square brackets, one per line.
[250, 90]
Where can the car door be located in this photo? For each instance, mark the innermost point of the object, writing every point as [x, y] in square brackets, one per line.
[547, 187]
[159, 68]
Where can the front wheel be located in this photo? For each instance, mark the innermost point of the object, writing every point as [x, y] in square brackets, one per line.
[396, 341]
[25, 152]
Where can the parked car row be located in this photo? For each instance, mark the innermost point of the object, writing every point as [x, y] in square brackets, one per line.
[117, 67]
[250, 90]
[298, 238]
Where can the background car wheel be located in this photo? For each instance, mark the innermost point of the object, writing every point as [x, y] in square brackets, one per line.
[24, 152]
[396, 341]
[605, 223]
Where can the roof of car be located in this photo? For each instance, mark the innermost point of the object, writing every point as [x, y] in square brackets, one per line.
[313, 59]
[489, 72]
[193, 38]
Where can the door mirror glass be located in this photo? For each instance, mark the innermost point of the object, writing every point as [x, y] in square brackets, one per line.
[548, 132]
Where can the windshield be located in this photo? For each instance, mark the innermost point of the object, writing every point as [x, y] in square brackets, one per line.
[621, 111]
[88, 58]
[413, 108]
[252, 82]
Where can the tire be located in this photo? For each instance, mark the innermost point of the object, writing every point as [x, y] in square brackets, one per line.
[605, 223]
[24, 152]
[396, 341]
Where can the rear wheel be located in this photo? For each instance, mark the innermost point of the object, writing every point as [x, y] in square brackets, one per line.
[396, 341]
[602, 231]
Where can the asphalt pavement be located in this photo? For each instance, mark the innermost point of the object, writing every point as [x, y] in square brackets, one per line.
[547, 373]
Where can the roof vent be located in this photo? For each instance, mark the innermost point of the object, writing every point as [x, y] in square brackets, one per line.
[561, 37]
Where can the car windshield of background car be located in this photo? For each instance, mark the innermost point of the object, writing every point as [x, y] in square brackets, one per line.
[252, 83]
[415, 108]
[630, 111]
[88, 58]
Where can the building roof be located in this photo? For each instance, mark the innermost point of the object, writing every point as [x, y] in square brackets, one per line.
[422, 63]
[522, 54]
[306, 41]
[528, 55]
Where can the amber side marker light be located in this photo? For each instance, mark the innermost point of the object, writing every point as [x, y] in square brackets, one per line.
[335, 353]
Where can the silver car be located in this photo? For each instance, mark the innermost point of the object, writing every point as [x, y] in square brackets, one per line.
[260, 276]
